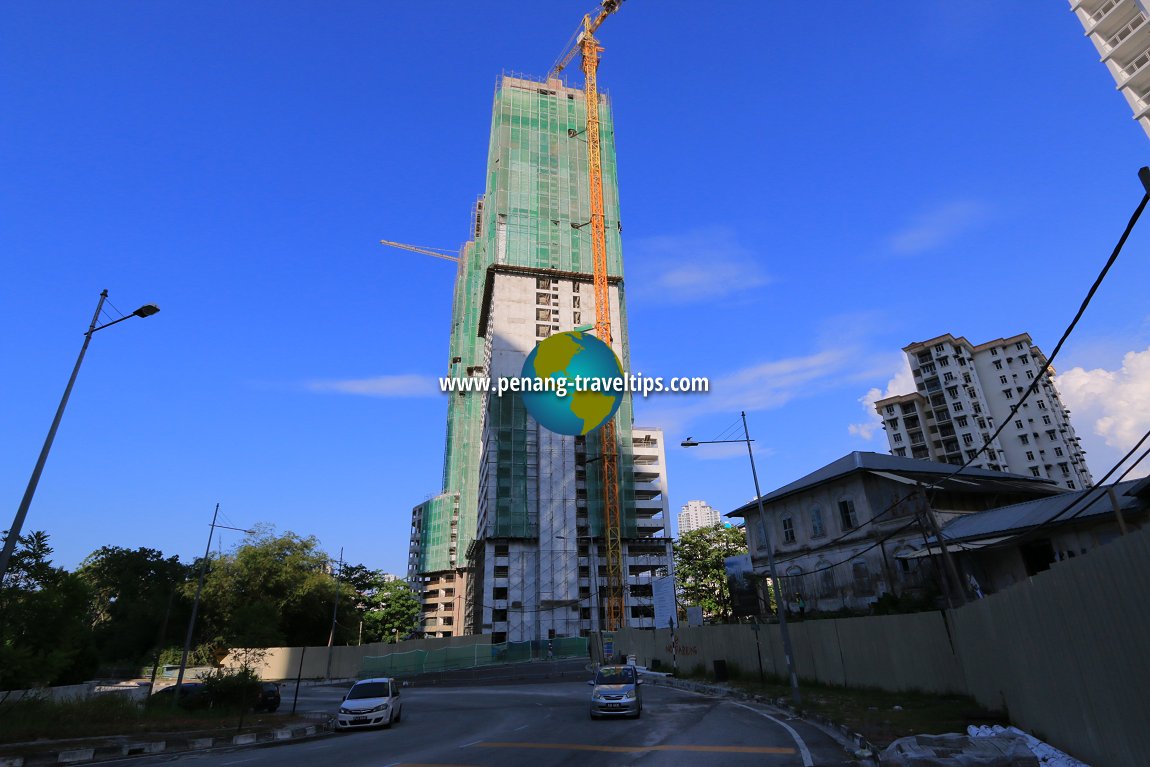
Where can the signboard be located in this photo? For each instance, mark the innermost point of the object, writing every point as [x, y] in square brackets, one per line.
[741, 582]
[694, 615]
[608, 646]
[663, 593]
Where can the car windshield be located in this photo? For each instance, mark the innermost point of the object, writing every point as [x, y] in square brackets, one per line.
[615, 675]
[368, 690]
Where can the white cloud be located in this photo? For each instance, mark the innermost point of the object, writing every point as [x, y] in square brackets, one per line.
[701, 265]
[1113, 405]
[902, 382]
[763, 386]
[381, 386]
[936, 227]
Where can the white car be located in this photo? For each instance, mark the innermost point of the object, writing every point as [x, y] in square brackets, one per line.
[370, 703]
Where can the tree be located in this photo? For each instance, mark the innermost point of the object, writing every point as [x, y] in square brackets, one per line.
[271, 590]
[391, 612]
[132, 592]
[699, 573]
[44, 636]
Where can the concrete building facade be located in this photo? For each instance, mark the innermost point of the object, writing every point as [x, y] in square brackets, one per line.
[846, 534]
[520, 516]
[1120, 33]
[695, 515]
[965, 391]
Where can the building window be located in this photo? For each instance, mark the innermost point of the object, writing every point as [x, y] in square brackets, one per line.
[1002, 379]
[961, 421]
[977, 407]
[1046, 419]
[1018, 424]
[1030, 374]
[847, 518]
[998, 364]
[1030, 455]
[900, 451]
[958, 407]
[1018, 346]
[948, 377]
[968, 439]
[1041, 404]
[1008, 393]
[994, 352]
[817, 529]
[890, 409]
[1034, 471]
[1024, 439]
[939, 348]
[897, 438]
[788, 530]
[1058, 451]
[577, 318]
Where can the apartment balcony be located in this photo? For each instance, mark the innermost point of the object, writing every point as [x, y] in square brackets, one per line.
[1127, 41]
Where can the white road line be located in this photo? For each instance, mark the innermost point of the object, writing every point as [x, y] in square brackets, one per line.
[472, 743]
[806, 754]
[803, 750]
[524, 727]
[241, 761]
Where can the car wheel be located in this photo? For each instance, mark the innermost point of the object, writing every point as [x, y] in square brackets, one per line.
[273, 709]
[594, 715]
[399, 716]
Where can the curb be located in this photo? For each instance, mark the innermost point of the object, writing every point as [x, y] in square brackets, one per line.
[853, 743]
[121, 750]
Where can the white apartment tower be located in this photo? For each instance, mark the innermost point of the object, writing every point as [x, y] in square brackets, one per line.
[695, 515]
[1120, 32]
[964, 392]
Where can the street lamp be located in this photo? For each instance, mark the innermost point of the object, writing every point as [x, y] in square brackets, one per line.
[147, 310]
[788, 652]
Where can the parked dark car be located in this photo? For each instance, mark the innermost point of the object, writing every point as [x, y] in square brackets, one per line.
[269, 697]
[192, 695]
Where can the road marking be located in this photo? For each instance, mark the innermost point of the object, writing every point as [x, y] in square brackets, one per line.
[807, 761]
[241, 761]
[524, 727]
[641, 749]
[472, 743]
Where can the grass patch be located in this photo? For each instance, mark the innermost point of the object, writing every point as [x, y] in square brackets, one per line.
[105, 715]
[872, 711]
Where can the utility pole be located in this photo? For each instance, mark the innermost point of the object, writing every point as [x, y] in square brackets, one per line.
[195, 609]
[956, 597]
[334, 612]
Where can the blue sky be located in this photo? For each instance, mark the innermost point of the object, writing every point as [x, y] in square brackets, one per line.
[805, 190]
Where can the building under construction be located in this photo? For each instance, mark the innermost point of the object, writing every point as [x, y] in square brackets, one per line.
[516, 545]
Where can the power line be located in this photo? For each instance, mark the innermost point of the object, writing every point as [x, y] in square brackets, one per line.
[1058, 347]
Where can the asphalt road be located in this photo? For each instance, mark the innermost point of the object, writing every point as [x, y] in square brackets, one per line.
[543, 725]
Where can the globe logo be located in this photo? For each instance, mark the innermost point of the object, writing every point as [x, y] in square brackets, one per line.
[594, 383]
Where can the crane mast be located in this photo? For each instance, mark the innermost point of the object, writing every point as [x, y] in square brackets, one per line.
[612, 527]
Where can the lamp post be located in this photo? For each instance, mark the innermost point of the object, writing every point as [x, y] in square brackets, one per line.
[785, 633]
[147, 310]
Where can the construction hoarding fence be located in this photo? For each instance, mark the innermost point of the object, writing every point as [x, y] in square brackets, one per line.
[1064, 654]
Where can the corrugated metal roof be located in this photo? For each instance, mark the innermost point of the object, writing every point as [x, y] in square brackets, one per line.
[910, 468]
[1021, 516]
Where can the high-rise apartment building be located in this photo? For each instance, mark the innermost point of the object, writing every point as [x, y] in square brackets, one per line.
[964, 392]
[518, 526]
[697, 514]
[1120, 31]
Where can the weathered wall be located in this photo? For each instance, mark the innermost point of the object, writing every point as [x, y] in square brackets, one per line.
[1065, 653]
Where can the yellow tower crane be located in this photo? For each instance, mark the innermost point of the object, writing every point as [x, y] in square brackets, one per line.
[586, 44]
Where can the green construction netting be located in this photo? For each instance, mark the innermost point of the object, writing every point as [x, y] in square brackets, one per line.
[414, 662]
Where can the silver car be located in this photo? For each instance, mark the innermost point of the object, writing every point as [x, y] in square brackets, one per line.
[616, 692]
[370, 703]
